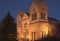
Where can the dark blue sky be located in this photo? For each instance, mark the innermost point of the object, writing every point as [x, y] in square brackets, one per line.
[15, 6]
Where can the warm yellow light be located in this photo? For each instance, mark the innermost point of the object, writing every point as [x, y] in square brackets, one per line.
[22, 36]
[44, 28]
[29, 36]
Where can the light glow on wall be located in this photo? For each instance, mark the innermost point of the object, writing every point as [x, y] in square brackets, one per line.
[44, 28]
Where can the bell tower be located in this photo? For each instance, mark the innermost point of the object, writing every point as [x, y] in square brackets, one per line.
[38, 11]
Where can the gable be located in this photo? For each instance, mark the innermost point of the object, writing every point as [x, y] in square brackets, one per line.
[25, 16]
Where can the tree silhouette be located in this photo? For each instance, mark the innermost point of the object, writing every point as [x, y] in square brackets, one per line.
[9, 28]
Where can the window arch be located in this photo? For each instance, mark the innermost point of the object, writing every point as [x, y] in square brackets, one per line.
[25, 25]
[34, 16]
[43, 16]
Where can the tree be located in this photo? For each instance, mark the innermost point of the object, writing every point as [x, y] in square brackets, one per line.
[9, 28]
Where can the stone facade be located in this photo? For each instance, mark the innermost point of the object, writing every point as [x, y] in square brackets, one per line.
[35, 24]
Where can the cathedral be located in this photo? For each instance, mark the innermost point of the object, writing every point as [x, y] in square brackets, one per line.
[35, 24]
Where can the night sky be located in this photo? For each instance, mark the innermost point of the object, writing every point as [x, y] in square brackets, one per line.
[15, 6]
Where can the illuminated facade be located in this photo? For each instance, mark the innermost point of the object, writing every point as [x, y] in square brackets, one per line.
[35, 24]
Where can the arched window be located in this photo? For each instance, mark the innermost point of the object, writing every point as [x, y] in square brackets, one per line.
[25, 30]
[33, 36]
[34, 16]
[25, 25]
[42, 16]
